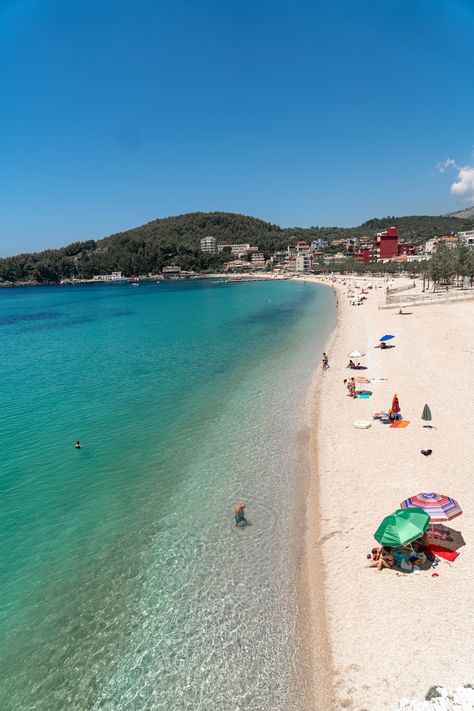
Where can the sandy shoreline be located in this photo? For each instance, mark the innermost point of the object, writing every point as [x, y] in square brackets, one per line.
[379, 636]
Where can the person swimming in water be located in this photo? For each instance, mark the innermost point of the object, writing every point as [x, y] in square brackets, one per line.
[78, 445]
[239, 514]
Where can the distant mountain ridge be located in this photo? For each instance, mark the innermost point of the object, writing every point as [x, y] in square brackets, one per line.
[467, 214]
[176, 240]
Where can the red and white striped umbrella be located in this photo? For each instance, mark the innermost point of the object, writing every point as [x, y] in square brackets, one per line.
[438, 506]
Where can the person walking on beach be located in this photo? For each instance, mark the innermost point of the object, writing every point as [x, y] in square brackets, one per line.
[352, 388]
[239, 514]
[325, 362]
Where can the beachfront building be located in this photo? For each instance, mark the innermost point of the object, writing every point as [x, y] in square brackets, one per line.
[384, 247]
[467, 237]
[238, 265]
[172, 272]
[257, 259]
[114, 276]
[303, 263]
[209, 245]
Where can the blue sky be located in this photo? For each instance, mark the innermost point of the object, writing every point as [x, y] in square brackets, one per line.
[114, 113]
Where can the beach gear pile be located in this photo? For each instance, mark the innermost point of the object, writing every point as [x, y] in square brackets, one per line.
[408, 534]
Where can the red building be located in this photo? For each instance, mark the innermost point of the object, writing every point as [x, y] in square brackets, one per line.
[387, 243]
[406, 249]
[384, 245]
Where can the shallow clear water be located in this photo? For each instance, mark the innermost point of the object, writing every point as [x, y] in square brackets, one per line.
[124, 585]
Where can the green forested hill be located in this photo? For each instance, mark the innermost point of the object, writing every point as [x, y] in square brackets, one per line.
[175, 240]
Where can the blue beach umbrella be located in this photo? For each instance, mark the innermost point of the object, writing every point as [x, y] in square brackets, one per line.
[388, 337]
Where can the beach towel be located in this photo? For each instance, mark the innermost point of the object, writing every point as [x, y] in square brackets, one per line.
[400, 424]
[442, 552]
[365, 395]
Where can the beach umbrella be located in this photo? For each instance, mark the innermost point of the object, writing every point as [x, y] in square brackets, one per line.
[439, 507]
[395, 404]
[387, 337]
[402, 527]
[426, 414]
[355, 354]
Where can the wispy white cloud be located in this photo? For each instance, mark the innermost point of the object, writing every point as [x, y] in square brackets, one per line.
[463, 187]
[444, 165]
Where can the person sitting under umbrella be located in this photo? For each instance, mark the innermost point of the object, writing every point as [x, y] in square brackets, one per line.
[382, 558]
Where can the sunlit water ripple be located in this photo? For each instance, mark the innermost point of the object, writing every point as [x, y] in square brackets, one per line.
[124, 584]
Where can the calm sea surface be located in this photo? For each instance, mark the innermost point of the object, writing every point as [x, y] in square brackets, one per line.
[124, 585]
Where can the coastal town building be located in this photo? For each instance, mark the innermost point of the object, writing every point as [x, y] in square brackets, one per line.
[338, 257]
[467, 237]
[383, 247]
[172, 272]
[318, 244]
[302, 247]
[209, 244]
[430, 245]
[114, 276]
[238, 265]
[257, 259]
[303, 263]
[237, 249]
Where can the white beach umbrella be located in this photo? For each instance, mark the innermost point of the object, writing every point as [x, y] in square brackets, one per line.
[355, 354]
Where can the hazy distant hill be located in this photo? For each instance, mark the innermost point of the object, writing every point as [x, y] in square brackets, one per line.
[175, 240]
[467, 214]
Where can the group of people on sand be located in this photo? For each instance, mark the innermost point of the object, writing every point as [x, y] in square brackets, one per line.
[408, 558]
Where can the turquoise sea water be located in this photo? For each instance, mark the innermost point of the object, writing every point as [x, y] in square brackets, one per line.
[124, 585]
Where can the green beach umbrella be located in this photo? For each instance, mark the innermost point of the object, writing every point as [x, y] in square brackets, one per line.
[426, 414]
[402, 527]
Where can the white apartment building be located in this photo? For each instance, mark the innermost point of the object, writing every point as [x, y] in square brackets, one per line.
[257, 259]
[237, 248]
[467, 237]
[209, 244]
[115, 276]
[303, 263]
[430, 245]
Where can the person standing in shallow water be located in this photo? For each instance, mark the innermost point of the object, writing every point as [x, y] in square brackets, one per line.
[239, 514]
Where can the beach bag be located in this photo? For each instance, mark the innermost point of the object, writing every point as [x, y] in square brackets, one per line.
[406, 565]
